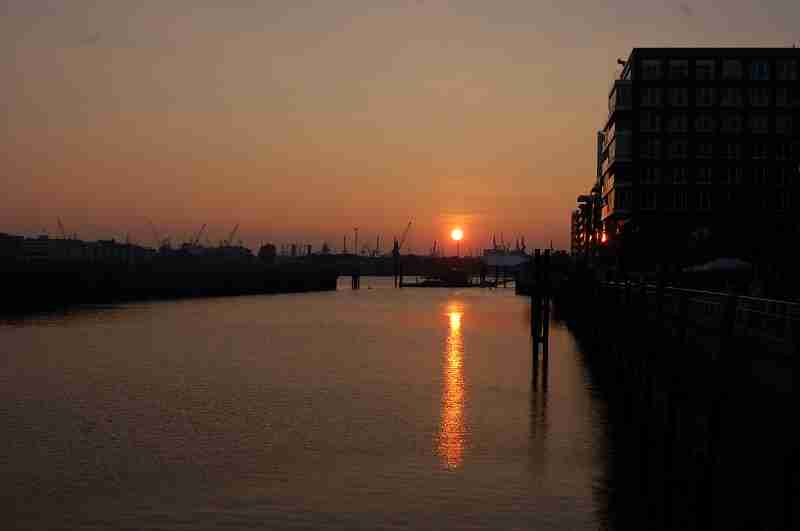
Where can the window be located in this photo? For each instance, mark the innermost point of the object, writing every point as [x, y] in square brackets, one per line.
[623, 199]
[782, 97]
[733, 151]
[679, 97]
[758, 123]
[678, 69]
[733, 175]
[732, 69]
[651, 175]
[760, 176]
[783, 151]
[780, 200]
[758, 151]
[651, 148]
[732, 122]
[704, 200]
[730, 97]
[704, 69]
[759, 71]
[678, 149]
[758, 97]
[787, 175]
[704, 123]
[765, 203]
[651, 96]
[678, 123]
[705, 150]
[784, 124]
[681, 200]
[649, 200]
[703, 176]
[787, 70]
[705, 97]
[651, 69]
[678, 175]
[650, 121]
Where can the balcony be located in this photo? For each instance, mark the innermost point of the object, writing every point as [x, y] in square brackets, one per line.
[619, 149]
[620, 98]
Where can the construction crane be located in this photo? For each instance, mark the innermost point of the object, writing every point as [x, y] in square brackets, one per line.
[231, 236]
[404, 237]
[377, 250]
[156, 235]
[196, 239]
[61, 230]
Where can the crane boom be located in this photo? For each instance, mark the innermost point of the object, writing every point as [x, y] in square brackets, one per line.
[232, 235]
[61, 229]
[199, 234]
[405, 235]
[156, 235]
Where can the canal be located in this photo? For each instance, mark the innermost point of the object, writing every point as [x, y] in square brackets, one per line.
[369, 409]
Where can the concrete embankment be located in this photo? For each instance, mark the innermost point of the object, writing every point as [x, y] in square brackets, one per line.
[39, 287]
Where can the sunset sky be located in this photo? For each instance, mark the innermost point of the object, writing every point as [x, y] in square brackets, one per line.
[302, 119]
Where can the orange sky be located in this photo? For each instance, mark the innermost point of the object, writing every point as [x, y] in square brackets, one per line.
[300, 120]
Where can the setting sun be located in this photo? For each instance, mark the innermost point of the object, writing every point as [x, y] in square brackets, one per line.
[457, 234]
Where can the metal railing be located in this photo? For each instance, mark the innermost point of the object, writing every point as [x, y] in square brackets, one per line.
[774, 323]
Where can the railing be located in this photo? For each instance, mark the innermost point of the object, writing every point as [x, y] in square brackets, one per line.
[620, 148]
[773, 323]
[620, 97]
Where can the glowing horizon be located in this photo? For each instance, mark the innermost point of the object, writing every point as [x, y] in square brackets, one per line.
[300, 121]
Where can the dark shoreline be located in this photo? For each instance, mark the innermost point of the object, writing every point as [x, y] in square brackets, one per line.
[29, 288]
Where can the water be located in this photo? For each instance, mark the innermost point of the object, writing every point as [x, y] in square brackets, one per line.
[375, 409]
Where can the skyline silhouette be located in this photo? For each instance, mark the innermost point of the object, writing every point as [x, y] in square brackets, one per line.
[301, 121]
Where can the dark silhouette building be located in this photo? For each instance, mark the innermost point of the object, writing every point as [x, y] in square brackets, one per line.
[699, 156]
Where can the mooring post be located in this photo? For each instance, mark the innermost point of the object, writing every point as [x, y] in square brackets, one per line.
[546, 308]
[536, 312]
[536, 296]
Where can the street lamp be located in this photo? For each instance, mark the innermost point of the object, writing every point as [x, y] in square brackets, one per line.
[457, 234]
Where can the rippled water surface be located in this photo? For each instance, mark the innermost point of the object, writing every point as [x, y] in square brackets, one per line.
[373, 409]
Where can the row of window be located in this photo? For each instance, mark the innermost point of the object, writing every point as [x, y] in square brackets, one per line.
[709, 69]
[759, 175]
[729, 122]
[678, 148]
[703, 200]
[710, 96]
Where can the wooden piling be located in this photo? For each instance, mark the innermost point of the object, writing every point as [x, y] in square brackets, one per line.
[545, 307]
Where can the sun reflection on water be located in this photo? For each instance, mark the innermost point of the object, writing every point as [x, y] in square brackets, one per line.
[451, 430]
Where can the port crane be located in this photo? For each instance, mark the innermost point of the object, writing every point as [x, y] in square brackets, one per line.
[404, 237]
[196, 240]
[377, 250]
[61, 229]
[231, 236]
[159, 240]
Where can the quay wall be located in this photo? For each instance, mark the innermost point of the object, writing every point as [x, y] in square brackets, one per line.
[701, 395]
[35, 287]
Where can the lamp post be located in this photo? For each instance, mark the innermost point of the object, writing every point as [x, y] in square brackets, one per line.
[457, 234]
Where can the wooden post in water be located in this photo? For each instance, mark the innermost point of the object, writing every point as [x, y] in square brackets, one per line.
[545, 309]
[536, 311]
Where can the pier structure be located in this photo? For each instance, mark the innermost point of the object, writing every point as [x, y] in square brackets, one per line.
[698, 382]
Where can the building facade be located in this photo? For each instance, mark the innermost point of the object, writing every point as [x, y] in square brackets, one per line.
[699, 155]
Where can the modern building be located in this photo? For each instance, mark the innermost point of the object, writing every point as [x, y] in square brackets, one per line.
[699, 155]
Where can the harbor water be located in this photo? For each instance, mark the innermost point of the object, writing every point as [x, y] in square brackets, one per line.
[369, 409]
